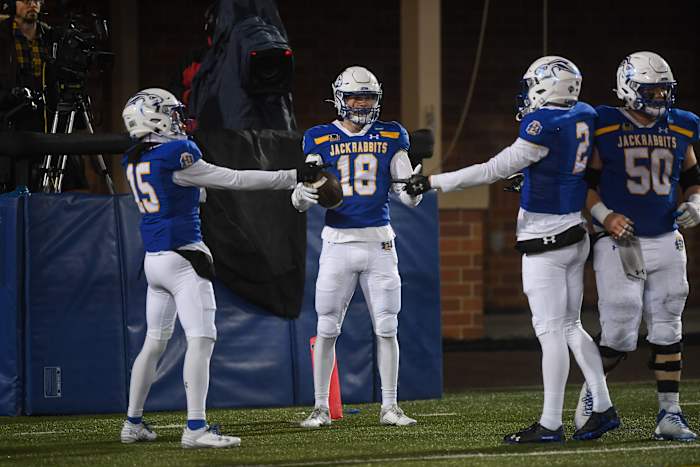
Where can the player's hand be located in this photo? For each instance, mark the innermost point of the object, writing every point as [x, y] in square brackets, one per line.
[309, 172]
[514, 183]
[688, 214]
[314, 159]
[417, 184]
[303, 197]
[618, 226]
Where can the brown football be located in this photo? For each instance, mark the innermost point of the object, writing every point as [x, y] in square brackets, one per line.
[330, 193]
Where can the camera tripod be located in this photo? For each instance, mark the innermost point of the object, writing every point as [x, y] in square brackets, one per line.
[72, 101]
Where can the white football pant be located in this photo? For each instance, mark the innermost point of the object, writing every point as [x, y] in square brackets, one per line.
[175, 289]
[659, 300]
[340, 267]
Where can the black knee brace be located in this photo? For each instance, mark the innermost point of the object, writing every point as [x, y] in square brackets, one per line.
[611, 357]
[666, 385]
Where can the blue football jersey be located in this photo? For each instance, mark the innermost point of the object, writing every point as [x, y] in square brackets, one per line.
[555, 184]
[642, 166]
[362, 164]
[170, 212]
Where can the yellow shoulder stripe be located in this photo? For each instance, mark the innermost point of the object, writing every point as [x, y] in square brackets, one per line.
[322, 139]
[389, 134]
[607, 129]
[681, 130]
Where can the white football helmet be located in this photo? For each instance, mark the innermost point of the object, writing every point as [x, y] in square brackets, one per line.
[645, 82]
[154, 111]
[550, 79]
[357, 81]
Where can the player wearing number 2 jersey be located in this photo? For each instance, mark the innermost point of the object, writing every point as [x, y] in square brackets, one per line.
[365, 154]
[643, 156]
[552, 150]
[165, 172]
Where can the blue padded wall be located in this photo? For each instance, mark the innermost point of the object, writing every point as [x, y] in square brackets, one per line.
[84, 316]
[11, 236]
[74, 320]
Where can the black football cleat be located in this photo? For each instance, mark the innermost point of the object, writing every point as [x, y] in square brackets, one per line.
[598, 424]
[535, 433]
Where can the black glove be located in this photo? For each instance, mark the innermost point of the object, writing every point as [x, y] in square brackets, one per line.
[514, 183]
[417, 184]
[309, 172]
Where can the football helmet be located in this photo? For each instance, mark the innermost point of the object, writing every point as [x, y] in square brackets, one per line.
[645, 83]
[154, 111]
[357, 81]
[550, 79]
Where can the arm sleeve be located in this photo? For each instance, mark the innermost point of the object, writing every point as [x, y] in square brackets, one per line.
[511, 160]
[203, 174]
[401, 168]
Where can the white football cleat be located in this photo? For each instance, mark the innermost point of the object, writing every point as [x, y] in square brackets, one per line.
[208, 437]
[673, 427]
[584, 408]
[132, 432]
[393, 415]
[319, 417]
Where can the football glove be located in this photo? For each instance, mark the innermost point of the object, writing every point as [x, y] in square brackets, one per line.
[417, 184]
[688, 213]
[514, 183]
[303, 197]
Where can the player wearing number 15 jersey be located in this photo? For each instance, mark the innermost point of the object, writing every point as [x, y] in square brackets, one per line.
[365, 154]
[643, 158]
[552, 150]
[166, 171]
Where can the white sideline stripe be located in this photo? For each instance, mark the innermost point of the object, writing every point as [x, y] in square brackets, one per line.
[448, 414]
[167, 426]
[482, 455]
[38, 433]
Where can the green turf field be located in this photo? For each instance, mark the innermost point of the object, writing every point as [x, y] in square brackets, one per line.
[461, 429]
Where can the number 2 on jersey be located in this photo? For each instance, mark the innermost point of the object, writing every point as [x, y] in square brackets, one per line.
[364, 175]
[144, 194]
[583, 135]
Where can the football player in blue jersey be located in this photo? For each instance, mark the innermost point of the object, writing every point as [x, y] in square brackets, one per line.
[552, 150]
[165, 171]
[358, 241]
[643, 154]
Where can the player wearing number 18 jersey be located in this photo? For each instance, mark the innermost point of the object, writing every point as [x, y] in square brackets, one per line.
[643, 155]
[365, 154]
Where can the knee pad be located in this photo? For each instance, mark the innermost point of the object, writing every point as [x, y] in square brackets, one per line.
[328, 325]
[665, 333]
[386, 324]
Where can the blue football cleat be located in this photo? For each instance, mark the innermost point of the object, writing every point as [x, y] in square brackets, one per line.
[598, 424]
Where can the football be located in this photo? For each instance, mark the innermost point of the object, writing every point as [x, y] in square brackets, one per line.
[330, 193]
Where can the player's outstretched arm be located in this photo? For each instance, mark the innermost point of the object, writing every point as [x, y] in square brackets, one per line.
[617, 225]
[401, 169]
[510, 160]
[203, 174]
[688, 214]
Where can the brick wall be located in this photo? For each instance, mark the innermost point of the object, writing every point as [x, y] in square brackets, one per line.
[462, 273]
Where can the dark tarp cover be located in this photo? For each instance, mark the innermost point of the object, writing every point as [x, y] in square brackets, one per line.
[257, 237]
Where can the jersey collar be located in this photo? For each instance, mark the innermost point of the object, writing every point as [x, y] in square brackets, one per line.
[345, 131]
[636, 122]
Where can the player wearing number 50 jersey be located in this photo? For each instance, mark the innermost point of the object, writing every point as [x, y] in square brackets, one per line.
[552, 150]
[166, 171]
[642, 159]
[365, 154]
